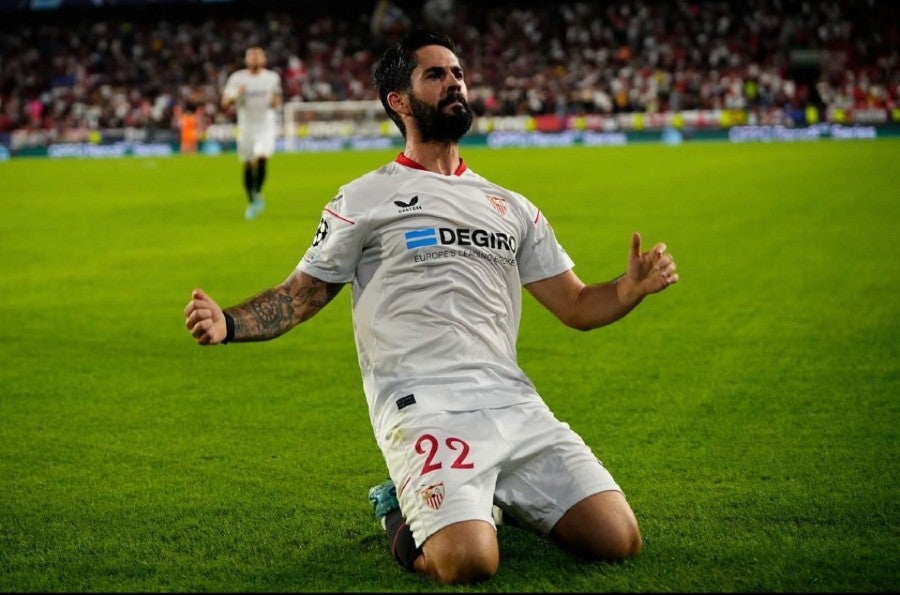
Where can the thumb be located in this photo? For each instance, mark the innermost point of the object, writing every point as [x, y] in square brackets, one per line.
[635, 245]
[198, 294]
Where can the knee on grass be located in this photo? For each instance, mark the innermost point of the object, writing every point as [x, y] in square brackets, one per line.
[462, 553]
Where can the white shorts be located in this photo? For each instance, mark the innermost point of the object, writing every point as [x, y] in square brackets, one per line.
[255, 142]
[452, 466]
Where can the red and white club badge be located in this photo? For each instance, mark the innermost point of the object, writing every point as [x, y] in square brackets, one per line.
[499, 204]
[433, 496]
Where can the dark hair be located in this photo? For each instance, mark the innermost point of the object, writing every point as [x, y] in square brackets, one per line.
[394, 70]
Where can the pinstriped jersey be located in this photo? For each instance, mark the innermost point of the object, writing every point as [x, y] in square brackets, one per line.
[437, 265]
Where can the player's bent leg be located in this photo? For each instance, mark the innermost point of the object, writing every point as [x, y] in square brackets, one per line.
[461, 553]
[601, 527]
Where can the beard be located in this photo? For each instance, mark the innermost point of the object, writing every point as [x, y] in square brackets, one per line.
[435, 125]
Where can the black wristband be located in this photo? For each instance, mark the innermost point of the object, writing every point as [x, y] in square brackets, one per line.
[229, 328]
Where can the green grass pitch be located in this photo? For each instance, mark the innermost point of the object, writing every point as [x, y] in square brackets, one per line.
[750, 412]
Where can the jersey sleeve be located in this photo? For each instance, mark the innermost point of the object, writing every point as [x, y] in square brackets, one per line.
[336, 247]
[231, 85]
[540, 255]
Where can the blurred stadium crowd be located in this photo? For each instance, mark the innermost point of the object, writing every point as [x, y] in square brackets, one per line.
[65, 74]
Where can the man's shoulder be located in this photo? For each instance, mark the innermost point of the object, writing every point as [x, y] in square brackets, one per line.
[493, 187]
[371, 188]
[383, 176]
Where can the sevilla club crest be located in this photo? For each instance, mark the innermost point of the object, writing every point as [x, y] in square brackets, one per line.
[499, 204]
[433, 496]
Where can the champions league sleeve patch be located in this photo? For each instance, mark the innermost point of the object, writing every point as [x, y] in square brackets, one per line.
[325, 225]
[332, 208]
[321, 233]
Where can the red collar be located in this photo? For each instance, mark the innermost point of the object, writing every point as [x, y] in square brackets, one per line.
[404, 160]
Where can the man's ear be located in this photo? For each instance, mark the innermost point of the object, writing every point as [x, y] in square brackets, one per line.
[398, 102]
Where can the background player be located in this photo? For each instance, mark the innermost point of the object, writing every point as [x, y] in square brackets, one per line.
[256, 91]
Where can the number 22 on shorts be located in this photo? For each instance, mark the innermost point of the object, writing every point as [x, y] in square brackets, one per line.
[435, 453]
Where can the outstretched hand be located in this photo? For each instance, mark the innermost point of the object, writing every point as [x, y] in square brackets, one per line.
[204, 319]
[650, 271]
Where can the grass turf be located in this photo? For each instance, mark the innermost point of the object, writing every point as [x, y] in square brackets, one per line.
[749, 412]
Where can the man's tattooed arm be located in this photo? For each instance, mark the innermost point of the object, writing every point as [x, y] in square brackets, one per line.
[276, 311]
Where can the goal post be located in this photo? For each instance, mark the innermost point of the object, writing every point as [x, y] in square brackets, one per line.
[335, 119]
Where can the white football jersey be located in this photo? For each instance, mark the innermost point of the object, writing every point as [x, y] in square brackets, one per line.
[437, 265]
[255, 108]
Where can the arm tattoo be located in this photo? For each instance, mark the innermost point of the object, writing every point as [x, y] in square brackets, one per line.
[263, 317]
[313, 298]
[276, 311]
